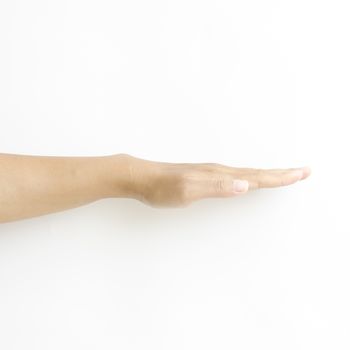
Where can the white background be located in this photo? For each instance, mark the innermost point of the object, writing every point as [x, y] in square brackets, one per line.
[243, 83]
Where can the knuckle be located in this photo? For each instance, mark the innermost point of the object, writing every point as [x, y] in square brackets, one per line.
[283, 181]
[220, 185]
[259, 178]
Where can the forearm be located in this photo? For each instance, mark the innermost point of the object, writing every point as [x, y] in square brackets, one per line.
[37, 185]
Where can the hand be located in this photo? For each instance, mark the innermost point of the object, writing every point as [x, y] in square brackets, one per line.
[161, 184]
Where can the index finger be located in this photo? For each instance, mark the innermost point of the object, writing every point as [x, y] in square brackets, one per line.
[267, 178]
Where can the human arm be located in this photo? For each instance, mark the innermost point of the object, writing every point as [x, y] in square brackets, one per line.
[37, 185]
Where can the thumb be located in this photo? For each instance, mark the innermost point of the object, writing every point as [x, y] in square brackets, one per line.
[223, 185]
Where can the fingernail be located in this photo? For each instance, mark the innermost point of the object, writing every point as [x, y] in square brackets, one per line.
[298, 173]
[240, 185]
[306, 172]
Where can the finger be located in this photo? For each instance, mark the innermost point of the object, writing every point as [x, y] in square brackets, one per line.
[267, 178]
[222, 183]
[238, 171]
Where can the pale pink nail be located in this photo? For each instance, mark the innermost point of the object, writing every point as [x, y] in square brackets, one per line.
[298, 173]
[240, 185]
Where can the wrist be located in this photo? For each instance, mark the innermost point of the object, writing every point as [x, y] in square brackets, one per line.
[132, 177]
[116, 180]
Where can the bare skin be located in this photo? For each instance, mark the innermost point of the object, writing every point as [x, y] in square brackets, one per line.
[37, 185]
